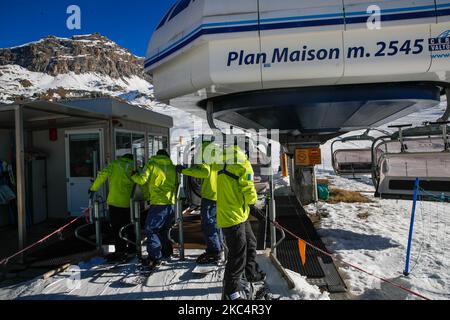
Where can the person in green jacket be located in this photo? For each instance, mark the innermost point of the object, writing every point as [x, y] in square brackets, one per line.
[160, 179]
[236, 193]
[202, 170]
[118, 173]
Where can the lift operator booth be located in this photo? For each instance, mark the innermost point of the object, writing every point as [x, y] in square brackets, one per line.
[56, 149]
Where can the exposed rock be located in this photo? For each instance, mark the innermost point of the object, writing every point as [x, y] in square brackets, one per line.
[25, 83]
[80, 54]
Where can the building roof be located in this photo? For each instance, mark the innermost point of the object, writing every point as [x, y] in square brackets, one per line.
[119, 109]
[38, 114]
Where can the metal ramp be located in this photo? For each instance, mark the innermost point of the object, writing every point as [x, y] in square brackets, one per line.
[319, 268]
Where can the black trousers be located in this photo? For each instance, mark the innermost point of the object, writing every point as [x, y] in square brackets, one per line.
[241, 243]
[120, 217]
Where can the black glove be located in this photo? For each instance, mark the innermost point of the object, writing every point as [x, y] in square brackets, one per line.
[180, 168]
[91, 193]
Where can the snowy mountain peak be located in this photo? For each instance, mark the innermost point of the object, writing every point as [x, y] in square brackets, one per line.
[84, 66]
[91, 53]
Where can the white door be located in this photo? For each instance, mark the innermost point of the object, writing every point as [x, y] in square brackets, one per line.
[82, 147]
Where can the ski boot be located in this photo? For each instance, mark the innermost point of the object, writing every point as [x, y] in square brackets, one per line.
[118, 258]
[257, 277]
[209, 258]
[148, 266]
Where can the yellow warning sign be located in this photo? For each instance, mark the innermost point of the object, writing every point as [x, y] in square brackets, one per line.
[308, 157]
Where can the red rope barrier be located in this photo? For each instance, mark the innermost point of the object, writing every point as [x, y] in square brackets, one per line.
[334, 258]
[6, 260]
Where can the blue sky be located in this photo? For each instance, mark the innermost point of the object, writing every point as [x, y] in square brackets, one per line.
[130, 23]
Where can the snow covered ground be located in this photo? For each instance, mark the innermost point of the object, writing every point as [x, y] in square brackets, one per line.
[374, 236]
[174, 281]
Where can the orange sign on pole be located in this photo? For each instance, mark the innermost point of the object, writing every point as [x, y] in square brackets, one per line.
[308, 157]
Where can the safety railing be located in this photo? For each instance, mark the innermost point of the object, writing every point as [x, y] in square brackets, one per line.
[94, 219]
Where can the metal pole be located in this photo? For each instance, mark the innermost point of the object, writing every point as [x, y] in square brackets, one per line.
[446, 115]
[445, 134]
[315, 190]
[180, 219]
[146, 147]
[20, 176]
[411, 228]
[98, 227]
[137, 229]
[272, 206]
[136, 211]
[95, 164]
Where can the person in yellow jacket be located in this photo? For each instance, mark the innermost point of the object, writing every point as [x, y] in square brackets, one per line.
[118, 173]
[236, 193]
[202, 170]
[160, 179]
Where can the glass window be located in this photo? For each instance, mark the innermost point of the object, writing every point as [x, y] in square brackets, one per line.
[183, 4]
[163, 21]
[81, 149]
[166, 143]
[159, 143]
[127, 141]
[151, 146]
[139, 145]
[123, 144]
[156, 143]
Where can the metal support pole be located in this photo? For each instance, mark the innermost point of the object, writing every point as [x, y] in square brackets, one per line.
[411, 228]
[137, 229]
[445, 135]
[146, 147]
[98, 226]
[136, 211]
[20, 177]
[180, 219]
[446, 115]
[272, 206]
[95, 164]
[314, 182]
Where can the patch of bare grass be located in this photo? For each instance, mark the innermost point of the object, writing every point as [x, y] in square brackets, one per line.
[339, 195]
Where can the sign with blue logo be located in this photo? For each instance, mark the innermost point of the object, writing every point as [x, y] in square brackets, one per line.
[441, 43]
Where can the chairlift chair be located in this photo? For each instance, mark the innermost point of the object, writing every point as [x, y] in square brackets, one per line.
[353, 161]
[420, 152]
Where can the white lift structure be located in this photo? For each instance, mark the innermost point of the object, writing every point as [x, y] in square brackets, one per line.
[310, 68]
[422, 153]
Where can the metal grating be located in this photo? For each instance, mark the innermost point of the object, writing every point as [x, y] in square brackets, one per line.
[319, 268]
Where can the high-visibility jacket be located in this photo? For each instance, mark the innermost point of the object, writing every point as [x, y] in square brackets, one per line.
[120, 184]
[159, 180]
[209, 179]
[203, 170]
[236, 190]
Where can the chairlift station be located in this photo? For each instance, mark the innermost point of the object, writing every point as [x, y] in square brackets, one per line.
[315, 70]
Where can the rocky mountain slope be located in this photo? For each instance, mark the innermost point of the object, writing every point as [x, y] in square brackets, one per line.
[81, 54]
[84, 66]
